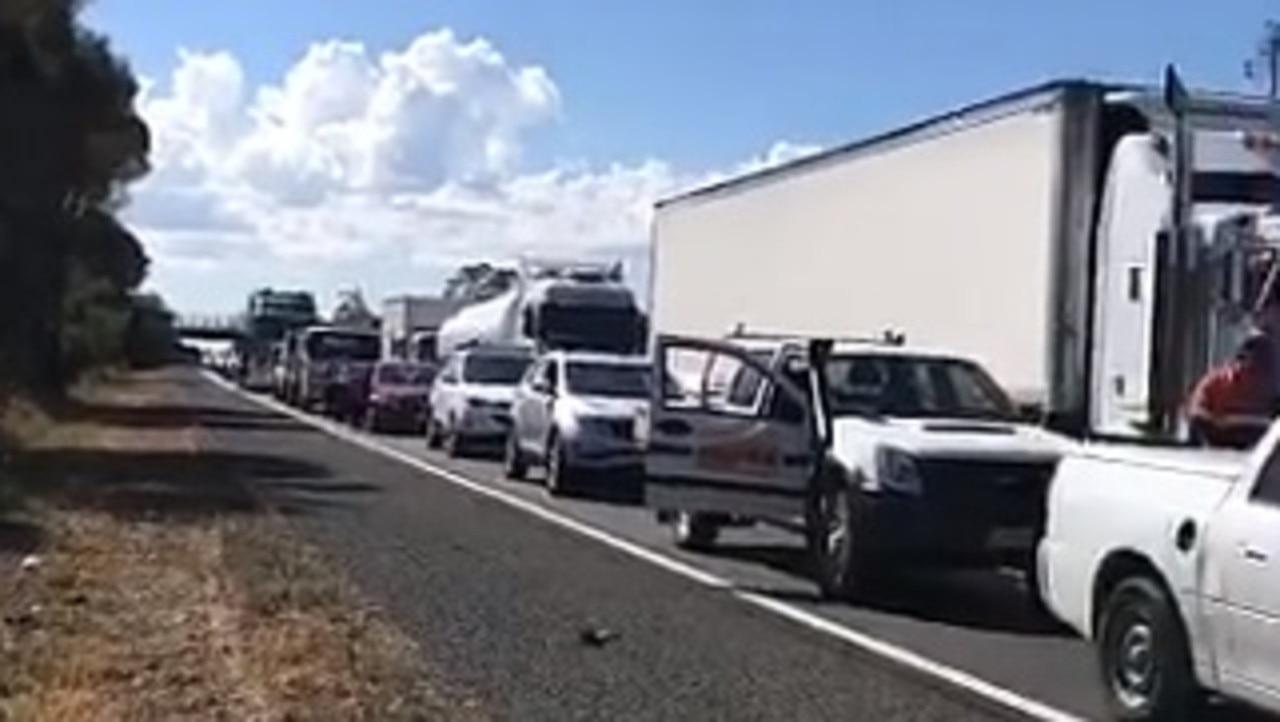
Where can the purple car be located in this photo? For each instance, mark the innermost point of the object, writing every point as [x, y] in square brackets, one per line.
[398, 392]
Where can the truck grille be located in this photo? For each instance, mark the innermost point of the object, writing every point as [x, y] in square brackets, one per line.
[621, 428]
[988, 493]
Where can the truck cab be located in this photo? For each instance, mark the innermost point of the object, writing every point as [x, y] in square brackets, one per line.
[882, 454]
[1228, 254]
[1167, 559]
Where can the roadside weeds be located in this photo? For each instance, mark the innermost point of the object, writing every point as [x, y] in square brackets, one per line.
[149, 584]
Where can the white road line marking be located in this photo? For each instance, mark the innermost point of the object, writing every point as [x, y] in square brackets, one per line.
[818, 623]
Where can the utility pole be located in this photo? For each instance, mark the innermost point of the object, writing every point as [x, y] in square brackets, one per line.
[1264, 67]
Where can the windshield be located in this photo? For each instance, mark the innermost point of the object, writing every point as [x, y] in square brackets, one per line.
[342, 346]
[405, 375]
[617, 330]
[494, 369]
[627, 381]
[914, 387]
[1260, 189]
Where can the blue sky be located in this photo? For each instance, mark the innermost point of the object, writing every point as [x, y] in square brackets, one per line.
[709, 82]
[703, 85]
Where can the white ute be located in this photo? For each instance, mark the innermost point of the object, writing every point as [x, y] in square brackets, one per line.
[1169, 560]
[885, 455]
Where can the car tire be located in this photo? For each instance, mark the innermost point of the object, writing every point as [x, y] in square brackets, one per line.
[431, 434]
[1037, 605]
[455, 444]
[694, 532]
[1144, 655]
[515, 466]
[844, 561]
[561, 479]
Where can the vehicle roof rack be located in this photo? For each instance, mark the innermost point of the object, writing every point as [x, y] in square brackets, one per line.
[889, 337]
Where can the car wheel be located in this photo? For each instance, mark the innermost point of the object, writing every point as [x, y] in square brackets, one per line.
[431, 434]
[560, 477]
[514, 465]
[837, 538]
[1144, 655]
[454, 442]
[1036, 603]
[694, 531]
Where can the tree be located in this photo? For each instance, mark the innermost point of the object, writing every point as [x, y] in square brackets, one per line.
[71, 141]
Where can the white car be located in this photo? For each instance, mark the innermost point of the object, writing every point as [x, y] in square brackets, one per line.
[1169, 560]
[470, 401]
[575, 413]
[883, 454]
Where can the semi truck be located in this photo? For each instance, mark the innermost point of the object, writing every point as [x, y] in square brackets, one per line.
[410, 325]
[269, 315]
[1097, 246]
[569, 305]
[1084, 250]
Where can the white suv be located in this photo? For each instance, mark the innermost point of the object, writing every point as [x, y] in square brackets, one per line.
[574, 412]
[471, 397]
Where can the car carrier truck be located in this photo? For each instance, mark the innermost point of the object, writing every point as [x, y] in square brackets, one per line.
[1096, 246]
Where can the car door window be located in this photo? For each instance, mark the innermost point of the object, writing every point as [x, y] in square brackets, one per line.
[551, 377]
[532, 375]
[783, 406]
[1267, 488]
[450, 374]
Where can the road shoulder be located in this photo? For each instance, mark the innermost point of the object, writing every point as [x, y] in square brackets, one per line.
[144, 580]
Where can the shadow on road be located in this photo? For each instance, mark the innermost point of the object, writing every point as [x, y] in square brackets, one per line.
[175, 416]
[172, 484]
[973, 600]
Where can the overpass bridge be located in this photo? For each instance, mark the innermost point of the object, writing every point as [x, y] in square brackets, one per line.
[210, 327]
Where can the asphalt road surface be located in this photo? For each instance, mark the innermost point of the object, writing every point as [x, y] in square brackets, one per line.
[562, 609]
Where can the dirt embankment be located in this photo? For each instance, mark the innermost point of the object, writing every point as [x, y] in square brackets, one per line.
[140, 580]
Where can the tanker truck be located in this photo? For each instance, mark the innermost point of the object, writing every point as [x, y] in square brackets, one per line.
[569, 305]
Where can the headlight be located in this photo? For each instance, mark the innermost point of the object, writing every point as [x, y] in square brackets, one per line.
[897, 471]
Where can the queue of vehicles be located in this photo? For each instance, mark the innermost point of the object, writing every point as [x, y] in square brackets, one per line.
[1098, 248]
[1074, 256]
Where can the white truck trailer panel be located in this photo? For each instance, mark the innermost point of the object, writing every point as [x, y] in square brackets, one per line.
[948, 238]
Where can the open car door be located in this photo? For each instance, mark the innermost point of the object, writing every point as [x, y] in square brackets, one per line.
[741, 446]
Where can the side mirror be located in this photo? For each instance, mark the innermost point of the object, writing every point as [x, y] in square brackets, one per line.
[1030, 412]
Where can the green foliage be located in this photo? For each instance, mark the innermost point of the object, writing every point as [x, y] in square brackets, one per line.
[96, 318]
[71, 141]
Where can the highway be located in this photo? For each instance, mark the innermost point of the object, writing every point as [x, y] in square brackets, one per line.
[582, 609]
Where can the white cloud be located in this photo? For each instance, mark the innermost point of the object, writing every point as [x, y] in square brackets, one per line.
[358, 167]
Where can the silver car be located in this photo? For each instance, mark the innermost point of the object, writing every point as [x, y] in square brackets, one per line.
[574, 413]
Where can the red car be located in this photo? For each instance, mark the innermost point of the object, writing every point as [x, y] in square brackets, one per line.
[398, 392]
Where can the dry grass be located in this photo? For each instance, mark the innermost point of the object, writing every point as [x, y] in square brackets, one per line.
[161, 616]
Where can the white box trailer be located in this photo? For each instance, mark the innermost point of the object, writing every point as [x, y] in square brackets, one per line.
[405, 316]
[978, 232]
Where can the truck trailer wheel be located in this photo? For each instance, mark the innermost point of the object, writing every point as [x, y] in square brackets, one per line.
[1144, 655]
[844, 564]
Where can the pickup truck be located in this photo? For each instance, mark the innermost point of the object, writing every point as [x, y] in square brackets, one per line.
[881, 454]
[1168, 559]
